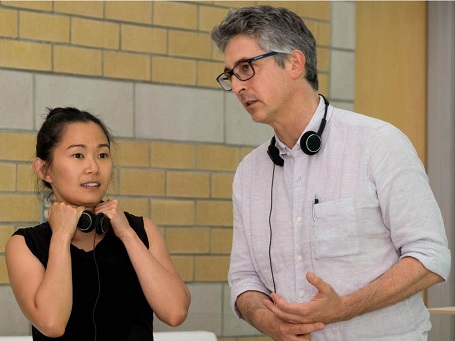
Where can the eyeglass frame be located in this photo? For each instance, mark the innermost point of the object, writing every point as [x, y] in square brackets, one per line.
[249, 61]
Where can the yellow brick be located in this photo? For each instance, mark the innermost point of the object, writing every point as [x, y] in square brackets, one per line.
[187, 240]
[244, 152]
[187, 184]
[38, 5]
[290, 5]
[175, 14]
[17, 147]
[313, 26]
[4, 279]
[210, 16]
[173, 70]
[217, 55]
[189, 44]
[173, 155]
[221, 241]
[211, 268]
[133, 11]
[5, 233]
[132, 153]
[25, 55]
[77, 60]
[8, 177]
[214, 213]
[217, 157]
[324, 84]
[141, 182]
[95, 33]
[38, 26]
[143, 39]
[112, 189]
[207, 73]
[8, 23]
[18, 207]
[222, 185]
[126, 65]
[173, 212]
[84, 8]
[323, 59]
[184, 266]
[234, 4]
[323, 35]
[139, 207]
[314, 9]
[26, 178]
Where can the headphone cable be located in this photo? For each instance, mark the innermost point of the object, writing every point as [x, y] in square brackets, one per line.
[99, 284]
[270, 228]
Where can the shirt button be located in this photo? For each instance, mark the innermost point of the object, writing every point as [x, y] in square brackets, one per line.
[301, 295]
[299, 258]
[299, 219]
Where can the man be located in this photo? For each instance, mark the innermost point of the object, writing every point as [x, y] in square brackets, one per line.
[336, 230]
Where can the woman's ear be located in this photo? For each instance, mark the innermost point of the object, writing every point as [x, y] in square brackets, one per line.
[297, 61]
[41, 169]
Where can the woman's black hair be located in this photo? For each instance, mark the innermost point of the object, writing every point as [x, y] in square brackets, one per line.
[53, 128]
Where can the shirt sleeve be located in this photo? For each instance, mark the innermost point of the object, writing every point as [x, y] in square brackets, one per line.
[242, 274]
[407, 202]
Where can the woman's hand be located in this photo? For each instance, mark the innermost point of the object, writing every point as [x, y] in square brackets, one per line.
[118, 221]
[63, 219]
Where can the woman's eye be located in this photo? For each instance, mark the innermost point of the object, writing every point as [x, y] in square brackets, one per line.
[78, 156]
[104, 155]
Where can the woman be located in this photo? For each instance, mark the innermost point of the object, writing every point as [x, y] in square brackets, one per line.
[103, 279]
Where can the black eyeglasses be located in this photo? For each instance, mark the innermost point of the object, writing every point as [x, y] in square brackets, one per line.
[243, 71]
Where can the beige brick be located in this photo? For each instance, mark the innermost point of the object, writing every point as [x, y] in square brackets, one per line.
[222, 185]
[139, 207]
[8, 23]
[173, 70]
[38, 26]
[95, 33]
[323, 59]
[290, 5]
[245, 151]
[133, 11]
[324, 84]
[132, 153]
[113, 187]
[211, 268]
[173, 212]
[126, 65]
[17, 147]
[184, 266]
[77, 60]
[313, 26]
[234, 4]
[187, 184]
[207, 73]
[187, 240]
[221, 241]
[18, 207]
[84, 8]
[314, 9]
[5, 233]
[26, 178]
[189, 44]
[38, 5]
[217, 56]
[25, 55]
[8, 177]
[210, 16]
[141, 182]
[217, 157]
[214, 213]
[173, 155]
[323, 35]
[175, 14]
[143, 39]
[4, 279]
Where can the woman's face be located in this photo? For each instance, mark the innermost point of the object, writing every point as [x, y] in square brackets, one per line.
[81, 166]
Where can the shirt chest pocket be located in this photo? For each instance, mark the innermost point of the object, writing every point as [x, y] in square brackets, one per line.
[335, 229]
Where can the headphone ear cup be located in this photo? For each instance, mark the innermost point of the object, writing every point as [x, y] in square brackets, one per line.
[87, 221]
[274, 154]
[102, 223]
[310, 142]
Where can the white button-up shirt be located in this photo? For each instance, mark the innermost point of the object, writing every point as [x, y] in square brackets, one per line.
[374, 207]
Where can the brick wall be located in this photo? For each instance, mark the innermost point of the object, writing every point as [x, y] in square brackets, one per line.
[148, 69]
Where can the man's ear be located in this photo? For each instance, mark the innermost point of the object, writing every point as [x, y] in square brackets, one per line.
[41, 169]
[297, 61]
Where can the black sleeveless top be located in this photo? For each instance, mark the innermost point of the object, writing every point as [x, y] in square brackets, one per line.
[112, 308]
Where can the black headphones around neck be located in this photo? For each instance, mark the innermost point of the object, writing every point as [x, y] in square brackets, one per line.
[310, 142]
[89, 221]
